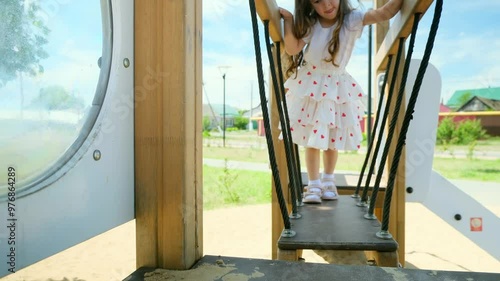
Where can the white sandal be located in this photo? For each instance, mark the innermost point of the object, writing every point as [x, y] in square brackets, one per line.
[312, 194]
[329, 190]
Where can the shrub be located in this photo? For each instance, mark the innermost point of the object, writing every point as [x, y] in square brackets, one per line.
[464, 132]
[469, 131]
[206, 123]
[241, 122]
[445, 131]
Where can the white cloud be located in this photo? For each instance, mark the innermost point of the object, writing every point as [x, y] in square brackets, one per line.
[219, 9]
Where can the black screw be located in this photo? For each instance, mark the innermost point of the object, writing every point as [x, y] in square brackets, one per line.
[458, 217]
[409, 189]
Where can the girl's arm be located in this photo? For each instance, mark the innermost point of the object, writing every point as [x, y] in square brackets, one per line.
[293, 45]
[384, 13]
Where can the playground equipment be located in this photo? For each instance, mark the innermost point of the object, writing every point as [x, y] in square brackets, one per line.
[386, 251]
[166, 183]
[325, 228]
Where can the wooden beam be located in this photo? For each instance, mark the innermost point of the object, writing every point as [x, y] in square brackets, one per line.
[269, 10]
[168, 179]
[401, 27]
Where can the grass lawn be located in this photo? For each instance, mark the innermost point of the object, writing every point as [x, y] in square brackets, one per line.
[226, 187]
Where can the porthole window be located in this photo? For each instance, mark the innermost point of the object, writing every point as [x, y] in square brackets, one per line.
[54, 67]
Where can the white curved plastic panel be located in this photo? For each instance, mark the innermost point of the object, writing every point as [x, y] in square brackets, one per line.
[421, 135]
[93, 196]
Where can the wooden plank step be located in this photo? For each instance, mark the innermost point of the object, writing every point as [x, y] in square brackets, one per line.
[336, 225]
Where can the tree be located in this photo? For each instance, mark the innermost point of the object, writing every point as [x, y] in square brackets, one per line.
[57, 98]
[23, 35]
[464, 99]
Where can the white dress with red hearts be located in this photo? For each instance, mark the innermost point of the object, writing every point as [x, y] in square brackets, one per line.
[324, 101]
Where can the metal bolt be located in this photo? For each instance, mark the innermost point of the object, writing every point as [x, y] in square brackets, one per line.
[458, 217]
[126, 62]
[409, 189]
[97, 155]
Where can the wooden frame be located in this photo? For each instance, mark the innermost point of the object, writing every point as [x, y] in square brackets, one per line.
[386, 43]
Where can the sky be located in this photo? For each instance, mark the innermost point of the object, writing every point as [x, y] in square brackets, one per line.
[466, 50]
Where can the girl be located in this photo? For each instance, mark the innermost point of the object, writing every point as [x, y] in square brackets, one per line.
[324, 101]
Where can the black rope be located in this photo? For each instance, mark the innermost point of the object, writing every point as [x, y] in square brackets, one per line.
[265, 115]
[364, 196]
[284, 131]
[394, 120]
[372, 139]
[295, 152]
[410, 109]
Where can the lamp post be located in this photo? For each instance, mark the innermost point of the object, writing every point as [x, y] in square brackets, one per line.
[223, 70]
[369, 115]
[224, 112]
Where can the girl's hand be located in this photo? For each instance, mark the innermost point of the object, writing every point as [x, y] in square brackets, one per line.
[285, 14]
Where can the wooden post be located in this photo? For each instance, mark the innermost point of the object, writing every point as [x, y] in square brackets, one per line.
[279, 148]
[168, 155]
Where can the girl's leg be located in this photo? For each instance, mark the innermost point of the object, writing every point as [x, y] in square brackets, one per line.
[330, 157]
[313, 191]
[312, 163]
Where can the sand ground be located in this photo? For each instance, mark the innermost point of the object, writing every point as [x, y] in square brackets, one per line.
[246, 232]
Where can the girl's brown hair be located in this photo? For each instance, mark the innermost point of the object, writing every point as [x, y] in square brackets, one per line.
[305, 18]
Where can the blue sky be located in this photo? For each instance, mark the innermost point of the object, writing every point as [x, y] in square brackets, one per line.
[465, 52]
